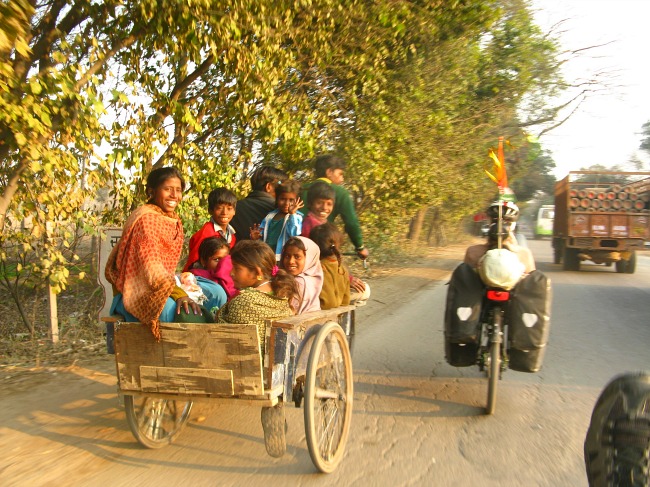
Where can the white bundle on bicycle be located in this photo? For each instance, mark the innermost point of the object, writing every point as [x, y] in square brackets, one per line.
[501, 268]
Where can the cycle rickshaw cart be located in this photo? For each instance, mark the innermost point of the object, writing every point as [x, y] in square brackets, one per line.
[305, 357]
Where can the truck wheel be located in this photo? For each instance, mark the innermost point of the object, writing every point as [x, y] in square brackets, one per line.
[631, 264]
[621, 266]
[558, 250]
[571, 260]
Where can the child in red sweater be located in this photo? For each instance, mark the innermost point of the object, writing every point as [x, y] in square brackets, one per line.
[221, 205]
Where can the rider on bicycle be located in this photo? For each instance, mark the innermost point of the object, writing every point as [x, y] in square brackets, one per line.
[509, 216]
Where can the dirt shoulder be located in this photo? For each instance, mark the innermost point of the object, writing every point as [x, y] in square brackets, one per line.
[389, 284]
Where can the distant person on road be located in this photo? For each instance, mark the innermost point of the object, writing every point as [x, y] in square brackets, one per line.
[259, 202]
[329, 168]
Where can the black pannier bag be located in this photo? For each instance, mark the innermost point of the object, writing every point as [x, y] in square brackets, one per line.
[462, 315]
[528, 318]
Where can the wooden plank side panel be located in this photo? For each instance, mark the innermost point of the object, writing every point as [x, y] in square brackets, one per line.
[178, 380]
[227, 347]
[241, 346]
[135, 346]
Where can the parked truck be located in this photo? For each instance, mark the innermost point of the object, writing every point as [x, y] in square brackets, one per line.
[601, 216]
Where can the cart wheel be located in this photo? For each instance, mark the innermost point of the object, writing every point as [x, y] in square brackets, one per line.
[347, 323]
[156, 422]
[275, 428]
[328, 397]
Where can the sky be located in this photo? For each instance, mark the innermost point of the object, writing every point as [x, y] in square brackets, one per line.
[606, 130]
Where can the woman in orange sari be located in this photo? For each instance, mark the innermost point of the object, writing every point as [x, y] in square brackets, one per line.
[142, 266]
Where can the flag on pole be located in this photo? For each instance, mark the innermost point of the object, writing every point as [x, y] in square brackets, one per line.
[499, 174]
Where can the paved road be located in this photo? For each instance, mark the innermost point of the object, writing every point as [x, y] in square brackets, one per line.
[417, 421]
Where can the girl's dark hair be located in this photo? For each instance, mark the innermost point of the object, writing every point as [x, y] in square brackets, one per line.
[209, 246]
[290, 186]
[320, 190]
[329, 239]
[221, 196]
[293, 242]
[158, 176]
[255, 253]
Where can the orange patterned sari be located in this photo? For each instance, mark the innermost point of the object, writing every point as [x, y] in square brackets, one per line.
[142, 265]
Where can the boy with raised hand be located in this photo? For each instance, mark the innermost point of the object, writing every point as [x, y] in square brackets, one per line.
[284, 222]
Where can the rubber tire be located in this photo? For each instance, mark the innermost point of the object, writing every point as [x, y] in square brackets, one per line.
[621, 266]
[617, 444]
[631, 264]
[274, 425]
[558, 251]
[571, 260]
[493, 377]
[330, 338]
[348, 323]
[146, 414]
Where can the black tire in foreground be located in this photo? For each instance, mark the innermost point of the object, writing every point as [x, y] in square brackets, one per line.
[617, 445]
[631, 264]
[571, 260]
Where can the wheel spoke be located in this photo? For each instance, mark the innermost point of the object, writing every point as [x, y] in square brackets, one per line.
[330, 427]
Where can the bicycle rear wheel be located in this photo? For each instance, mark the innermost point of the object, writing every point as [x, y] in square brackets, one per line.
[493, 378]
[495, 362]
[328, 397]
[155, 423]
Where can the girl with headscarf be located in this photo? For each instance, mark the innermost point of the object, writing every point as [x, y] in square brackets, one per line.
[301, 259]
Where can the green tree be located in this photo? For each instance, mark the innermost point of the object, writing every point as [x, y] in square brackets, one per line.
[93, 95]
[425, 142]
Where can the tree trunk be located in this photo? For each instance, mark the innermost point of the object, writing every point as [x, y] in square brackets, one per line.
[10, 189]
[415, 228]
[29, 324]
[52, 317]
[437, 230]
